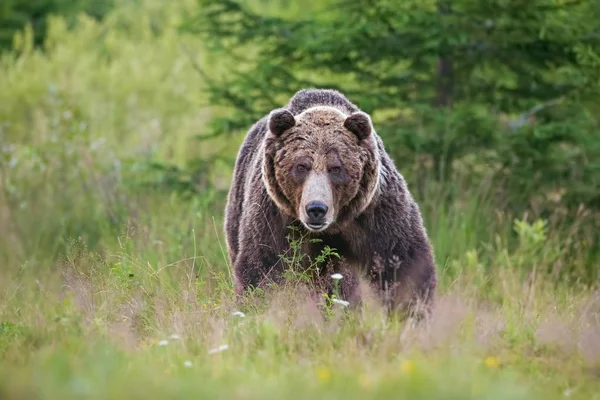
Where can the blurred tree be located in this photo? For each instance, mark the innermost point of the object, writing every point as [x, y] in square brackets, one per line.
[502, 86]
[15, 14]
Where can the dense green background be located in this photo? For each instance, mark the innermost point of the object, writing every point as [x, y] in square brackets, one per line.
[119, 126]
[465, 93]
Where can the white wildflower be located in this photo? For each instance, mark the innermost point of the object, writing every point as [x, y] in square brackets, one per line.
[174, 337]
[219, 349]
[341, 302]
[163, 343]
[337, 277]
[187, 364]
[238, 314]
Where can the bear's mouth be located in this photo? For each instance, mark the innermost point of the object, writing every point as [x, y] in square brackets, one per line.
[316, 227]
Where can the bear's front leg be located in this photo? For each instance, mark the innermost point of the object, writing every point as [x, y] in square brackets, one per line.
[403, 273]
[261, 241]
[256, 267]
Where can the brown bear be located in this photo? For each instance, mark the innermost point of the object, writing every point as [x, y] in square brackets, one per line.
[319, 166]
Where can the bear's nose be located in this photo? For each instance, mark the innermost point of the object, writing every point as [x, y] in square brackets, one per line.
[316, 210]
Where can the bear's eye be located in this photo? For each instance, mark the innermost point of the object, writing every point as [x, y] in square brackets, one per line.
[335, 170]
[301, 168]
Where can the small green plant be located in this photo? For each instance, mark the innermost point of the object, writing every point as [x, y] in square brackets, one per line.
[531, 236]
[334, 297]
[300, 265]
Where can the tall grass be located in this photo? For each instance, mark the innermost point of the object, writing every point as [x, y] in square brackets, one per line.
[98, 267]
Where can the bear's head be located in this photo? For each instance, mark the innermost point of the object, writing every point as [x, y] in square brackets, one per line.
[321, 166]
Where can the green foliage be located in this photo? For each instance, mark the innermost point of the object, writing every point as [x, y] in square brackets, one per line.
[82, 124]
[16, 14]
[499, 88]
[300, 265]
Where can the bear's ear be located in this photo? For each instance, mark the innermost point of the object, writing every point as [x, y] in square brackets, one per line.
[281, 120]
[359, 123]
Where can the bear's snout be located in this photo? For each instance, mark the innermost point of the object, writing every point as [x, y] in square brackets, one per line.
[316, 211]
[316, 205]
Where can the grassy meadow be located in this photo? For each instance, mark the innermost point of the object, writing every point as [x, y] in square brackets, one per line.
[113, 286]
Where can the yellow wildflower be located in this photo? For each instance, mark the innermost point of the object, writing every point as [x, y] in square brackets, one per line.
[407, 367]
[491, 362]
[364, 381]
[323, 374]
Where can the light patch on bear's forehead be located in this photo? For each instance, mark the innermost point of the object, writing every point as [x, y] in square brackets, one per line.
[322, 115]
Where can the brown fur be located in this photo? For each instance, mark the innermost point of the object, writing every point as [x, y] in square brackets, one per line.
[322, 145]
